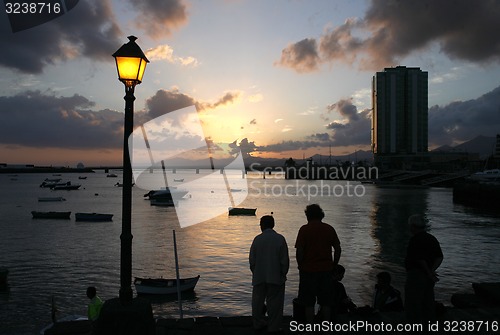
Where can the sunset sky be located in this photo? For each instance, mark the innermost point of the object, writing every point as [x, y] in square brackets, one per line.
[282, 78]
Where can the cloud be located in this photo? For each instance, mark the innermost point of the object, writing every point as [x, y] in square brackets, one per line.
[165, 52]
[463, 120]
[391, 30]
[301, 56]
[89, 30]
[245, 146]
[39, 120]
[159, 17]
[290, 145]
[166, 101]
[256, 98]
[453, 74]
[345, 108]
[322, 137]
[228, 98]
[308, 112]
[354, 128]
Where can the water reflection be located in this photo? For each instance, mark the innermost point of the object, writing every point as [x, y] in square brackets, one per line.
[389, 215]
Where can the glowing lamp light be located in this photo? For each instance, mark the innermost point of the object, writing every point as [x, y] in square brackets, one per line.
[130, 63]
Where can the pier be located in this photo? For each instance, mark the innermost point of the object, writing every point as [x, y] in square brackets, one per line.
[242, 325]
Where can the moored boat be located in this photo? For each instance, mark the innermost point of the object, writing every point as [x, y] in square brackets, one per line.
[50, 184]
[47, 199]
[70, 324]
[162, 202]
[242, 211]
[487, 175]
[66, 186]
[93, 217]
[166, 193]
[162, 286]
[50, 215]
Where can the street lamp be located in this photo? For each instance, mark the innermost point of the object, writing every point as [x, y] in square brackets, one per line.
[130, 63]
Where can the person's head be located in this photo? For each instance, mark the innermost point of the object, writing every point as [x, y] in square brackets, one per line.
[338, 272]
[384, 279]
[314, 212]
[266, 222]
[416, 223]
[91, 292]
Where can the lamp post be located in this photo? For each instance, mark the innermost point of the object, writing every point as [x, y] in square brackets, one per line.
[130, 63]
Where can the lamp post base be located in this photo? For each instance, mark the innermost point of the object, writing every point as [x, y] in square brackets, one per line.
[132, 318]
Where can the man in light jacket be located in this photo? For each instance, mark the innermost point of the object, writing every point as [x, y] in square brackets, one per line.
[269, 263]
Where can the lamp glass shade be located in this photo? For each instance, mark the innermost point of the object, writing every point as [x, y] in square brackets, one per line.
[130, 63]
[130, 68]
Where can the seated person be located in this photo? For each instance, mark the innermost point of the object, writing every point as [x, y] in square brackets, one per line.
[341, 301]
[386, 298]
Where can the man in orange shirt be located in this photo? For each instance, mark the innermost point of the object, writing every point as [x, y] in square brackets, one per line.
[314, 258]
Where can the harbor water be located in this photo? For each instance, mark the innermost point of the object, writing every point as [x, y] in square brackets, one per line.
[59, 258]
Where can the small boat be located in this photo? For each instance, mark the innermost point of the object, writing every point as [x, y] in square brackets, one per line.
[162, 202]
[47, 199]
[76, 324]
[82, 177]
[93, 217]
[50, 183]
[168, 193]
[68, 186]
[111, 175]
[52, 179]
[50, 215]
[241, 211]
[487, 175]
[179, 180]
[163, 286]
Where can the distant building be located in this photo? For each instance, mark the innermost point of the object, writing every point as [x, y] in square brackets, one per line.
[400, 116]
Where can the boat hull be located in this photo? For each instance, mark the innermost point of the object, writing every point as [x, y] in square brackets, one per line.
[49, 199]
[161, 286]
[242, 211]
[50, 215]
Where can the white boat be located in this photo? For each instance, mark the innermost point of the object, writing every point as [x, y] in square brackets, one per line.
[487, 175]
[71, 322]
[161, 286]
